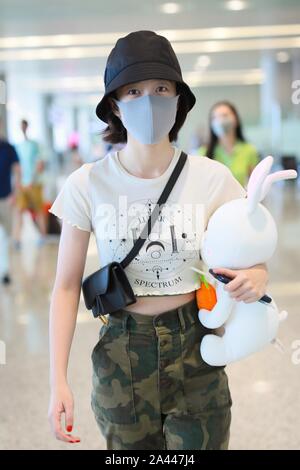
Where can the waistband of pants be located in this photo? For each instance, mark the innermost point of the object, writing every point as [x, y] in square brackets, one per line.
[179, 318]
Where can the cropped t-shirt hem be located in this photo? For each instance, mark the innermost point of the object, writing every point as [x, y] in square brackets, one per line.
[160, 294]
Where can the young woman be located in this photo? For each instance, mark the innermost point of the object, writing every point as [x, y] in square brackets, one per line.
[151, 389]
[227, 143]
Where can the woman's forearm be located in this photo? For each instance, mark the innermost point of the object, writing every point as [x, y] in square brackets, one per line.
[62, 322]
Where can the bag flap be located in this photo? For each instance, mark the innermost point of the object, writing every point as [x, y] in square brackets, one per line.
[96, 284]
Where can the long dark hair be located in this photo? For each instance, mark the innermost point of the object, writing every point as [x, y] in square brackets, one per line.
[213, 138]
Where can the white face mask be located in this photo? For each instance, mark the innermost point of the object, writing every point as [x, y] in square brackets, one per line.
[222, 126]
[149, 118]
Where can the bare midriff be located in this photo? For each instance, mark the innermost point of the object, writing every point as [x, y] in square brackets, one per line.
[153, 305]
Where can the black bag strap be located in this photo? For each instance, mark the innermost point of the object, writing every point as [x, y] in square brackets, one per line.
[154, 214]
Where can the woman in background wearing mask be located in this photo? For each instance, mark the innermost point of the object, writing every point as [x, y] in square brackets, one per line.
[227, 144]
[151, 389]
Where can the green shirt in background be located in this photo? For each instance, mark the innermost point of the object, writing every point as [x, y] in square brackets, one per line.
[242, 160]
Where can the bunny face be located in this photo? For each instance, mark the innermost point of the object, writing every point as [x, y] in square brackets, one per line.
[236, 239]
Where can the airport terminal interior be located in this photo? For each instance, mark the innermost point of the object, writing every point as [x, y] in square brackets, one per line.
[52, 61]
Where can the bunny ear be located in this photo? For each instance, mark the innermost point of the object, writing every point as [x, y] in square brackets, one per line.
[277, 176]
[256, 180]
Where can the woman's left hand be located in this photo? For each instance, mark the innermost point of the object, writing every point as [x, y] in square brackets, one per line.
[248, 285]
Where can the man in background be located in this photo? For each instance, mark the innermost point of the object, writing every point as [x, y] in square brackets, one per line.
[9, 166]
[30, 196]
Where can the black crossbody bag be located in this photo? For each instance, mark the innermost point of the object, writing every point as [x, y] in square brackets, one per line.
[109, 289]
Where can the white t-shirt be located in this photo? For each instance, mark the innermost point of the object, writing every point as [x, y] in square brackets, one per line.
[104, 198]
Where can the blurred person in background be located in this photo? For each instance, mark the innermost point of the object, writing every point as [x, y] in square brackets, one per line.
[73, 157]
[9, 166]
[227, 143]
[30, 195]
[76, 159]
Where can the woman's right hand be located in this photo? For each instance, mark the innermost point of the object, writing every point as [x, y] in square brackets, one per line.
[61, 401]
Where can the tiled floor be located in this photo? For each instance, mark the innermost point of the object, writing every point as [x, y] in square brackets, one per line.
[265, 388]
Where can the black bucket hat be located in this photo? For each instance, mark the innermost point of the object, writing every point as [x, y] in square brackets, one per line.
[141, 55]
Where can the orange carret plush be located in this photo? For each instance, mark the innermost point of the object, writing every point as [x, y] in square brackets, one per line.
[206, 295]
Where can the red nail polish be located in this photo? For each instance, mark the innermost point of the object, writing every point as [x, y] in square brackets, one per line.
[69, 428]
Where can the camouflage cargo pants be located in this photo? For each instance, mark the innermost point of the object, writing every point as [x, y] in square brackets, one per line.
[152, 390]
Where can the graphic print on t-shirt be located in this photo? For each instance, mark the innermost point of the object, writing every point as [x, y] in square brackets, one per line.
[91, 201]
[172, 244]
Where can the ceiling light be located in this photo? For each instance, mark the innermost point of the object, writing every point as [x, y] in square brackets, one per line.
[174, 35]
[202, 61]
[225, 77]
[170, 8]
[236, 5]
[282, 57]
[186, 47]
[90, 84]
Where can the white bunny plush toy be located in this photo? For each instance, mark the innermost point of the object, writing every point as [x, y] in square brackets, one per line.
[240, 234]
